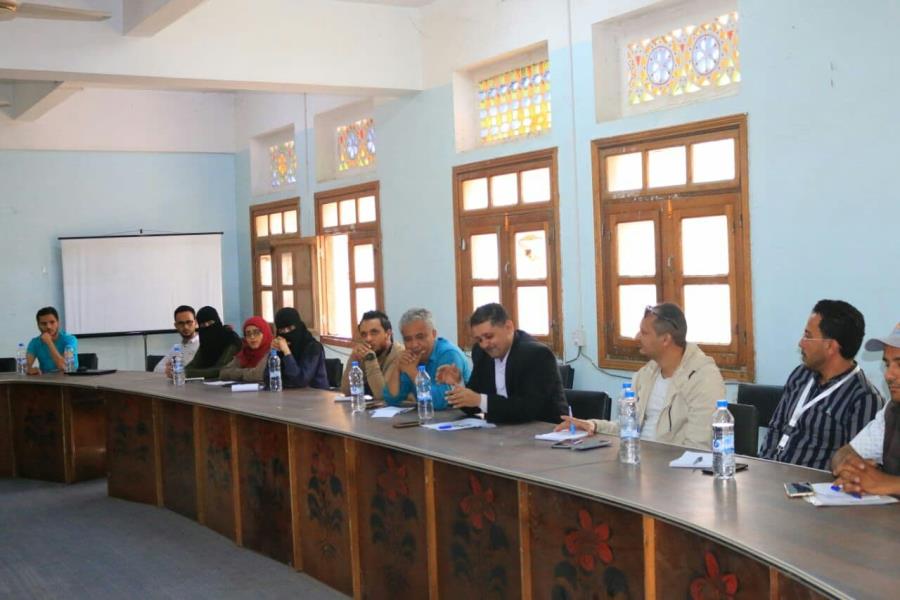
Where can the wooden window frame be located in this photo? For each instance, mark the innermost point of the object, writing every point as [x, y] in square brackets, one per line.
[269, 244]
[666, 206]
[357, 234]
[507, 218]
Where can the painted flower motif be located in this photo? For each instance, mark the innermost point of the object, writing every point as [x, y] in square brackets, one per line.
[715, 585]
[392, 481]
[479, 505]
[322, 462]
[589, 542]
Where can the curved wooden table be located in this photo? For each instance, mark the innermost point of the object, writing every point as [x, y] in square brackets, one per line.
[380, 512]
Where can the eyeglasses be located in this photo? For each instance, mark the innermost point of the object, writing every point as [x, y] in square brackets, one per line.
[252, 333]
[654, 310]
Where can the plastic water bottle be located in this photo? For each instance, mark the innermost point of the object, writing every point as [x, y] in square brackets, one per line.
[423, 396]
[626, 386]
[21, 359]
[629, 431]
[69, 358]
[177, 365]
[274, 371]
[357, 389]
[723, 441]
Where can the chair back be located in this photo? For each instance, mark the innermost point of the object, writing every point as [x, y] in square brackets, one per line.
[87, 360]
[151, 361]
[746, 429]
[589, 404]
[334, 370]
[764, 397]
[567, 374]
[7, 365]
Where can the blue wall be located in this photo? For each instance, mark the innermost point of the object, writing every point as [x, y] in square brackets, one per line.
[46, 194]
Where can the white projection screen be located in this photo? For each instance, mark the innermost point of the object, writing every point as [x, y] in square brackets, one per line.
[120, 284]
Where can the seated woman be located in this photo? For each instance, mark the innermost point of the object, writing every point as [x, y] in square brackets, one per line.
[250, 363]
[302, 357]
[218, 345]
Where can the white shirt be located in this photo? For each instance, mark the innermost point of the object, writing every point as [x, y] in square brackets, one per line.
[499, 380]
[188, 350]
[869, 442]
[655, 406]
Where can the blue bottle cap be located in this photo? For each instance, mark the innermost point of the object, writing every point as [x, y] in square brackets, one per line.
[421, 367]
[354, 363]
[722, 403]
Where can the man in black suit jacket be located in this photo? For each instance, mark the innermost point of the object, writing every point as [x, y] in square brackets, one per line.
[530, 389]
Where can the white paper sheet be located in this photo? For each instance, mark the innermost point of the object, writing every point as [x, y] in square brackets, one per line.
[218, 383]
[388, 412]
[825, 496]
[693, 460]
[347, 398]
[559, 436]
[470, 423]
[246, 387]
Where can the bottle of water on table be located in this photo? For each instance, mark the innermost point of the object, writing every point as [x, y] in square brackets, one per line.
[69, 358]
[177, 365]
[423, 396]
[723, 441]
[629, 431]
[357, 389]
[274, 371]
[21, 359]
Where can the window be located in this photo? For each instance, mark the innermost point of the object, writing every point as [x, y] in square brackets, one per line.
[283, 262]
[515, 104]
[283, 164]
[672, 225]
[356, 145]
[350, 244]
[506, 244]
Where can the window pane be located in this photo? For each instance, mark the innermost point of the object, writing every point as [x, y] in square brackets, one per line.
[534, 310]
[712, 161]
[337, 282]
[348, 212]
[636, 247]
[330, 214]
[633, 300]
[485, 294]
[485, 256]
[268, 311]
[290, 221]
[474, 193]
[365, 301]
[707, 309]
[364, 263]
[666, 166]
[536, 185]
[367, 213]
[504, 189]
[265, 270]
[275, 224]
[262, 226]
[704, 245]
[623, 172]
[287, 269]
[531, 255]
[287, 298]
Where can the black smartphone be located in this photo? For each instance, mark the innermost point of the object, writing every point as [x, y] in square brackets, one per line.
[799, 489]
[737, 468]
[582, 444]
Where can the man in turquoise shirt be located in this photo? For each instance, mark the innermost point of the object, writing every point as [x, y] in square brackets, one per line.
[423, 347]
[49, 347]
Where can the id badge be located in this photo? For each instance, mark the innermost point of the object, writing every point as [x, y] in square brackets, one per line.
[782, 443]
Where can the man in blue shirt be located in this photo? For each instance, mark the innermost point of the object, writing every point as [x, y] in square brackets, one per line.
[423, 347]
[49, 347]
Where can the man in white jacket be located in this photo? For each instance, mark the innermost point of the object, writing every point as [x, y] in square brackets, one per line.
[676, 390]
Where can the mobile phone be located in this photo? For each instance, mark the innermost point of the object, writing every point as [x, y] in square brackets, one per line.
[582, 444]
[737, 468]
[799, 489]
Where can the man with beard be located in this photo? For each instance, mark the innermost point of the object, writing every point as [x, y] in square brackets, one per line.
[186, 324]
[377, 354]
[218, 345]
[49, 347]
[857, 464]
[828, 399]
[302, 357]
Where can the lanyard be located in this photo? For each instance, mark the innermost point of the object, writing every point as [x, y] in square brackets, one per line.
[803, 405]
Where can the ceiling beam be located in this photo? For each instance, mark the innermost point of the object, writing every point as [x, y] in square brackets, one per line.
[146, 18]
[30, 100]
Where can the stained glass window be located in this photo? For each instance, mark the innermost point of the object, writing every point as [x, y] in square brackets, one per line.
[684, 61]
[515, 104]
[356, 145]
[283, 164]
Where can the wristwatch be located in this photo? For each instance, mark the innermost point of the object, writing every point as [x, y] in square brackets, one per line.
[370, 355]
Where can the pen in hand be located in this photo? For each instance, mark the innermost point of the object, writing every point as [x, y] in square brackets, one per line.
[571, 422]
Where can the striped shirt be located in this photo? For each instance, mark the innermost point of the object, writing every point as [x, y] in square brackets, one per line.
[825, 426]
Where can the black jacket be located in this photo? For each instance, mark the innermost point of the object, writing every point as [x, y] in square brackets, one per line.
[534, 389]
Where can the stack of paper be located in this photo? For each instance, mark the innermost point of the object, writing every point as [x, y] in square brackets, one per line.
[470, 423]
[560, 436]
[347, 398]
[388, 412]
[825, 496]
[693, 460]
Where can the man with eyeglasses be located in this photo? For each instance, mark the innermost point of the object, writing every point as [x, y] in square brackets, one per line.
[676, 390]
[186, 324]
[828, 399]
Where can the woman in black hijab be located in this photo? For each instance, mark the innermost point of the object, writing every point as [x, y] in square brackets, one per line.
[218, 345]
[302, 357]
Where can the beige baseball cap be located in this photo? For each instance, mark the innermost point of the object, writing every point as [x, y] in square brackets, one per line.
[892, 339]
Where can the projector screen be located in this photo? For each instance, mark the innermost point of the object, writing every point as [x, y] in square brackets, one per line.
[121, 284]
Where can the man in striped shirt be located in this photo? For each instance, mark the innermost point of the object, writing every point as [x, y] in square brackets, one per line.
[828, 399]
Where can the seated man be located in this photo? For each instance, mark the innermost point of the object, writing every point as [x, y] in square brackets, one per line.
[828, 399]
[377, 353]
[856, 464]
[186, 324]
[514, 378]
[423, 347]
[49, 347]
[676, 391]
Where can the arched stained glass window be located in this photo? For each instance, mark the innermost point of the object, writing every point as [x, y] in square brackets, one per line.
[515, 104]
[283, 164]
[685, 60]
[356, 145]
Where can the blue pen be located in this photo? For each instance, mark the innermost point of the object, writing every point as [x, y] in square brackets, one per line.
[571, 422]
[447, 426]
[837, 488]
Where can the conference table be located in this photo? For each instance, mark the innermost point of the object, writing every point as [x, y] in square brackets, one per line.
[382, 512]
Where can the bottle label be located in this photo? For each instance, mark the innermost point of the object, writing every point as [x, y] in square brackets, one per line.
[725, 444]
